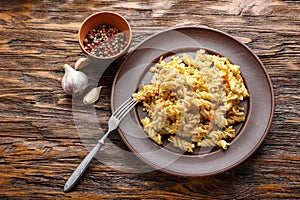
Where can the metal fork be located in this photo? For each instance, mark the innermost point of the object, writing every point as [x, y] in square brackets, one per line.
[113, 123]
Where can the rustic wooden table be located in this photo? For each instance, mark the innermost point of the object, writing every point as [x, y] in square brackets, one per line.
[40, 145]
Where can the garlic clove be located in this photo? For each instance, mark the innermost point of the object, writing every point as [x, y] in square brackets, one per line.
[92, 95]
[73, 82]
[82, 62]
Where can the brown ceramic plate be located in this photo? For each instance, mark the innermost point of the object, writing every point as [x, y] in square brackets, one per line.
[259, 107]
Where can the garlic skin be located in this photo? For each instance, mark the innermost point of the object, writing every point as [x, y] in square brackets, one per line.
[92, 95]
[82, 62]
[73, 82]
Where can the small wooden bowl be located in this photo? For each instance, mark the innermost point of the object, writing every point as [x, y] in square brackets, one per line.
[109, 18]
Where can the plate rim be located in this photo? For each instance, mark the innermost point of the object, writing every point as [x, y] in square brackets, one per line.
[244, 158]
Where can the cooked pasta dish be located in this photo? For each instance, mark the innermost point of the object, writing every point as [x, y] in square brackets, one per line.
[193, 101]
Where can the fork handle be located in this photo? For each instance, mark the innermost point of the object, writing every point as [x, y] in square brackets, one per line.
[82, 167]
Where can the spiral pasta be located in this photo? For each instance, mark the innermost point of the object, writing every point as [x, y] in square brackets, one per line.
[194, 101]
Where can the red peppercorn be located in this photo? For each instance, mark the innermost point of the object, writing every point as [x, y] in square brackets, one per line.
[104, 40]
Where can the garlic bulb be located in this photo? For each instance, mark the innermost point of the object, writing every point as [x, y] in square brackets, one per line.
[73, 82]
[92, 95]
[82, 62]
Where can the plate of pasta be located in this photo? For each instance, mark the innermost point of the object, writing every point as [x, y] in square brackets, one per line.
[200, 110]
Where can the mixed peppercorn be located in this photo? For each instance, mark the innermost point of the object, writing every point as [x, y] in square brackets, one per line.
[104, 41]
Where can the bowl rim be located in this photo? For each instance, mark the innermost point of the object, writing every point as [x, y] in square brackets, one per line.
[109, 57]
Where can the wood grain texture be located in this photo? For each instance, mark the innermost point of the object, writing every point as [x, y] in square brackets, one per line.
[39, 142]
